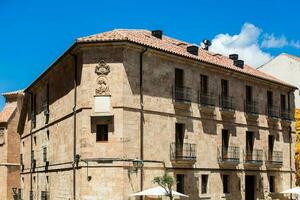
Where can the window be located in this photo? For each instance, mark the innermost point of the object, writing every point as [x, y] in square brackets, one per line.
[225, 180]
[272, 183]
[179, 133]
[282, 102]
[21, 159]
[270, 98]
[33, 110]
[45, 154]
[271, 143]
[180, 183]
[203, 84]
[224, 88]
[248, 93]
[178, 77]
[204, 183]
[102, 133]
[46, 105]
[44, 195]
[249, 142]
[225, 138]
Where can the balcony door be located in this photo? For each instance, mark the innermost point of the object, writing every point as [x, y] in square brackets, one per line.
[282, 102]
[224, 88]
[248, 94]
[179, 74]
[249, 145]
[250, 187]
[270, 98]
[225, 143]
[179, 137]
[271, 146]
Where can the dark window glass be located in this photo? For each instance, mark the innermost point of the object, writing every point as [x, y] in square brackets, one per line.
[248, 93]
[21, 159]
[45, 154]
[224, 88]
[271, 143]
[272, 183]
[204, 183]
[178, 77]
[204, 84]
[102, 132]
[249, 141]
[225, 184]
[282, 102]
[270, 98]
[179, 134]
[180, 183]
[225, 138]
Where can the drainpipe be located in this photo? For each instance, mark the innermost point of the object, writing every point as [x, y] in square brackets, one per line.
[31, 146]
[290, 148]
[142, 118]
[75, 160]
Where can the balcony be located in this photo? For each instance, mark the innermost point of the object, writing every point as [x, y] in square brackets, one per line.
[206, 99]
[227, 103]
[286, 115]
[229, 155]
[254, 158]
[251, 107]
[272, 112]
[182, 94]
[274, 159]
[183, 152]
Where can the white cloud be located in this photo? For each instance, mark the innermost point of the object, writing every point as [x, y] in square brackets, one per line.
[295, 44]
[271, 41]
[245, 44]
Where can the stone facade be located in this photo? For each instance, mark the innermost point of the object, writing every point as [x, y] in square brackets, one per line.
[60, 112]
[9, 145]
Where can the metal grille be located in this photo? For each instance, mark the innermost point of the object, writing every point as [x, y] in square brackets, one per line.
[227, 103]
[272, 111]
[207, 99]
[251, 107]
[275, 157]
[183, 151]
[229, 154]
[255, 156]
[182, 94]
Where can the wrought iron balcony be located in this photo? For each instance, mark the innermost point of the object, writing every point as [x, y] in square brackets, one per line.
[254, 157]
[182, 94]
[272, 111]
[229, 154]
[183, 152]
[251, 107]
[227, 103]
[286, 114]
[207, 99]
[275, 158]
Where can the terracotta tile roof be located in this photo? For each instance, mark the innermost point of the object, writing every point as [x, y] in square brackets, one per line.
[177, 47]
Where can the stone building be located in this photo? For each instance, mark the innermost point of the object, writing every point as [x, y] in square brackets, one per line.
[287, 68]
[9, 145]
[121, 107]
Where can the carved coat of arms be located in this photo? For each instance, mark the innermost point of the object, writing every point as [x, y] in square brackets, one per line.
[102, 70]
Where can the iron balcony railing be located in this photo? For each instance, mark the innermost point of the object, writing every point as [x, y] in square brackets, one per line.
[272, 111]
[251, 107]
[229, 154]
[286, 114]
[227, 103]
[183, 152]
[255, 156]
[275, 158]
[207, 99]
[182, 94]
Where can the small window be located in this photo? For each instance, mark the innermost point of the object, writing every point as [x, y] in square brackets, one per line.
[272, 183]
[45, 154]
[204, 183]
[102, 133]
[225, 180]
[180, 183]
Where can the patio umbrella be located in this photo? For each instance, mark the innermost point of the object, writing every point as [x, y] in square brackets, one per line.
[157, 191]
[295, 190]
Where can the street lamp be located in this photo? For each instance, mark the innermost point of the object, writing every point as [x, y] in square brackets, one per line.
[137, 164]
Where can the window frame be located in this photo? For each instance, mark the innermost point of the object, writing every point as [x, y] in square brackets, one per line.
[99, 136]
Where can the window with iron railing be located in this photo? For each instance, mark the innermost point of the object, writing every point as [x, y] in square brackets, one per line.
[272, 111]
[182, 94]
[286, 114]
[229, 154]
[275, 158]
[207, 99]
[183, 151]
[255, 156]
[227, 103]
[251, 107]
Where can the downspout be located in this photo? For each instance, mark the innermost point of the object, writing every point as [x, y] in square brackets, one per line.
[290, 146]
[75, 160]
[142, 118]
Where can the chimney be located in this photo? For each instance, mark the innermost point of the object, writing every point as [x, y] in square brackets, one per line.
[206, 44]
[239, 63]
[234, 56]
[193, 50]
[157, 33]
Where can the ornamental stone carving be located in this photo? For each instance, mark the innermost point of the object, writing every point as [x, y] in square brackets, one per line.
[102, 70]
[1, 136]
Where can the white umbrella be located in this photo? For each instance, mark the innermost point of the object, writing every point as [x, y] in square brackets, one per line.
[157, 191]
[295, 190]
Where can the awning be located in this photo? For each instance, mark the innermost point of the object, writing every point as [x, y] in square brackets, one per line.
[157, 191]
[295, 190]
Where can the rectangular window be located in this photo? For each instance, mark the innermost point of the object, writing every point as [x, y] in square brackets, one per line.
[21, 159]
[203, 84]
[271, 143]
[32, 155]
[179, 77]
[225, 180]
[180, 183]
[45, 154]
[248, 93]
[102, 133]
[204, 183]
[179, 133]
[249, 142]
[282, 102]
[270, 98]
[225, 138]
[33, 110]
[272, 183]
[224, 88]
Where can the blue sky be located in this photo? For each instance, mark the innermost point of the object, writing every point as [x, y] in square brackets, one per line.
[34, 33]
